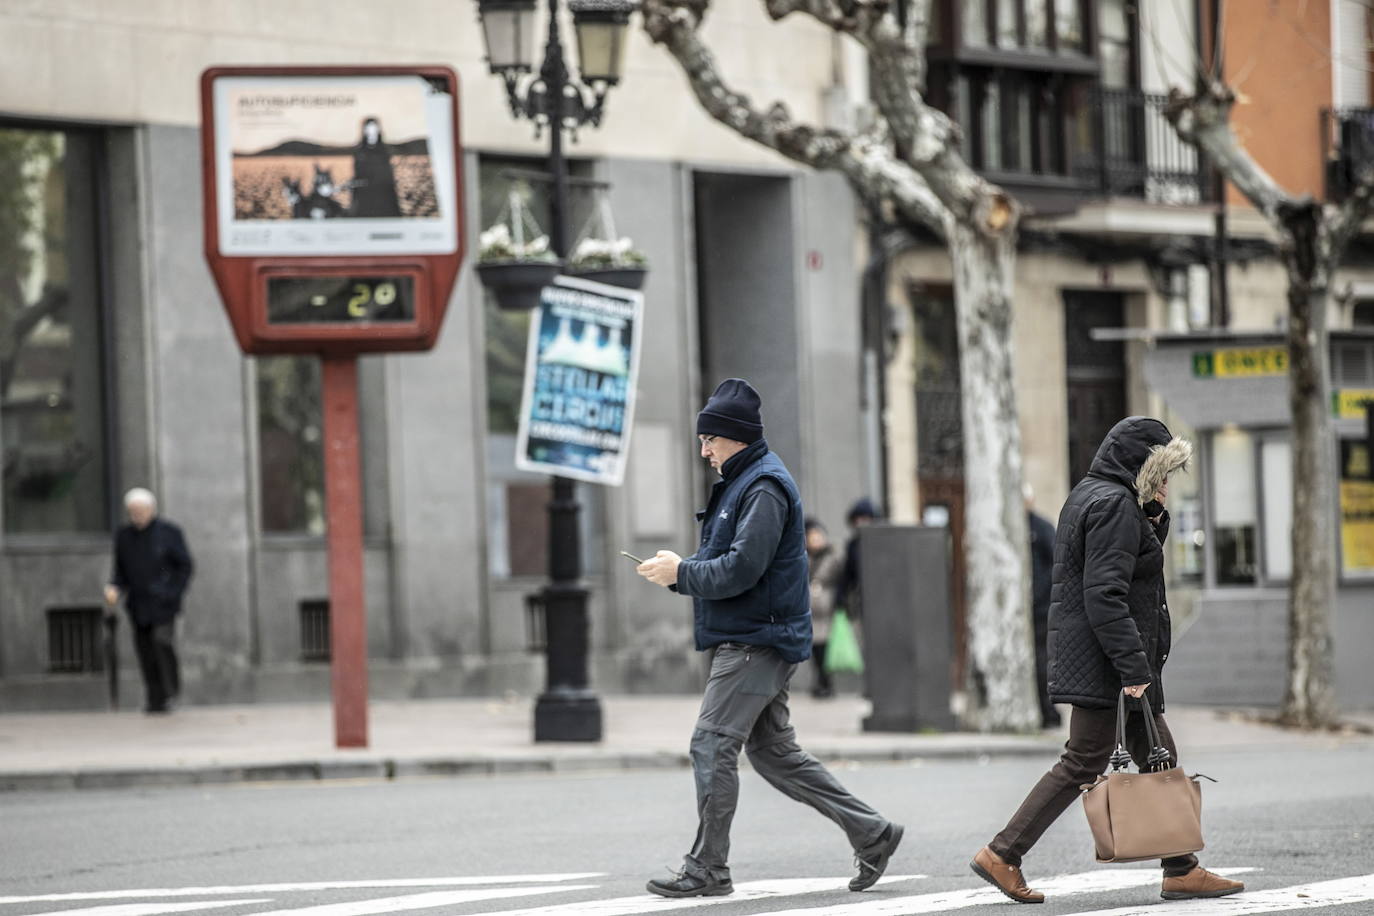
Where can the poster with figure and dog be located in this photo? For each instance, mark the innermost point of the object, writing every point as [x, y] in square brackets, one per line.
[334, 165]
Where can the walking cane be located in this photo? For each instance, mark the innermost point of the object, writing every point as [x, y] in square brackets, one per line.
[111, 623]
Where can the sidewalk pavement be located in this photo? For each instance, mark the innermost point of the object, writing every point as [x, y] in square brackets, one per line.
[273, 742]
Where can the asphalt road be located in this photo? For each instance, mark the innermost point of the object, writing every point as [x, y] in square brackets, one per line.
[547, 843]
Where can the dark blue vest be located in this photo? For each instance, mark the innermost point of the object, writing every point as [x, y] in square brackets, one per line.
[776, 611]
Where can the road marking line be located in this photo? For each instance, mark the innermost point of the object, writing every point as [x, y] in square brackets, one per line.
[421, 901]
[1062, 885]
[1277, 900]
[308, 886]
[151, 909]
[747, 891]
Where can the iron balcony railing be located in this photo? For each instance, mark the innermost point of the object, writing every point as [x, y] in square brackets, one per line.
[1347, 148]
[1127, 148]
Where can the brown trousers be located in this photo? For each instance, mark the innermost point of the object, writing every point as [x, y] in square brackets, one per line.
[1092, 738]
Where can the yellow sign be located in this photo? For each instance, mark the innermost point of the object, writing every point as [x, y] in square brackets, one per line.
[1357, 508]
[1246, 363]
[1349, 403]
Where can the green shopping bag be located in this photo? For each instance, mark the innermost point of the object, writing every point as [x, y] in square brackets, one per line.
[842, 649]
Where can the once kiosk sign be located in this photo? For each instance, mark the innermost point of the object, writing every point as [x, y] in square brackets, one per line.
[333, 201]
[333, 198]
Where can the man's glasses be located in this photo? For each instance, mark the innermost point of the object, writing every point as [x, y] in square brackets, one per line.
[706, 441]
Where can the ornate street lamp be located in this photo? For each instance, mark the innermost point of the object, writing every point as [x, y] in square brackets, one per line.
[567, 710]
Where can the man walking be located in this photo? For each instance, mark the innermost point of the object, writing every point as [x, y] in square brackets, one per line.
[152, 568]
[748, 583]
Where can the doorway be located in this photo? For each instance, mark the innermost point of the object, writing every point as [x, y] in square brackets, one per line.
[1095, 375]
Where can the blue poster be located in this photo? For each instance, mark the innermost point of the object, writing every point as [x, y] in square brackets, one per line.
[581, 370]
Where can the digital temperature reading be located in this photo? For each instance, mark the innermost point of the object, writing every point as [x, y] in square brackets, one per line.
[340, 300]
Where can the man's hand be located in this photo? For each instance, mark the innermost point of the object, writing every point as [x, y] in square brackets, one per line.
[111, 596]
[1135, 690]
[661, 568]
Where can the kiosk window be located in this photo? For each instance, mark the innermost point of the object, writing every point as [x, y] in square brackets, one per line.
[1233, 507]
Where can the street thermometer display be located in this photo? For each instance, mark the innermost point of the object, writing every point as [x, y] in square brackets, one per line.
[333, 204]
[333, 201]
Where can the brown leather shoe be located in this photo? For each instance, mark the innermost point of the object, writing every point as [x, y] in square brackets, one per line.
[1006, 878]
[1199, 883]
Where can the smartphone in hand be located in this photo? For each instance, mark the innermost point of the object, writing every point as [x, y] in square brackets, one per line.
[638, 561]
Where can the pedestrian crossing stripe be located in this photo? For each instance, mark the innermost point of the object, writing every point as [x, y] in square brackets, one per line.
[152, 909]
[1339, 892]
[284, 888]
[1351, 891]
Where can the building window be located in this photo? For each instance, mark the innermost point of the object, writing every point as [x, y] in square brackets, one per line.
[52, 353]
[1115, 45]
[1363, 314]
[290, 445]
[1233, 507]
[1276, 482]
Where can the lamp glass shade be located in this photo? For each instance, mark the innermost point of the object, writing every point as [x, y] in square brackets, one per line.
[600, 49]
[508, 28]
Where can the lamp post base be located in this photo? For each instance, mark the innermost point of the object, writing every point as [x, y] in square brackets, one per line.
[567, 715]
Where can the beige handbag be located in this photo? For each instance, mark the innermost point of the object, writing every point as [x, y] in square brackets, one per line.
[1153, 814]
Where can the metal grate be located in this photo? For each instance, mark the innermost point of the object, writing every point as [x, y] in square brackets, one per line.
[74, 640]
[536, 630]
[1353, 366]
[314, 630]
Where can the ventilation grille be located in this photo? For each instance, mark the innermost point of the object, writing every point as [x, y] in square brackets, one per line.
[314, 630]
[74, 640]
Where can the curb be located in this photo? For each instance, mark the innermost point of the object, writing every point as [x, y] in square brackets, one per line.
[391, 769]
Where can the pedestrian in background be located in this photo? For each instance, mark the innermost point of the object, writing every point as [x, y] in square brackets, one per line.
[152, 568]
[826, 566]
[1042, 567]
[1109, 633]
[749, 585]
[848, 595]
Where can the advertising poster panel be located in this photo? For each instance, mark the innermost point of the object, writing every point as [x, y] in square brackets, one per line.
[334, 165]
[581, 370]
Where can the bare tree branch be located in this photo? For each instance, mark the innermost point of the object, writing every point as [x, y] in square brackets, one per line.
[925, 137]
[867, 160]
[1204, 120]
[1357, 208]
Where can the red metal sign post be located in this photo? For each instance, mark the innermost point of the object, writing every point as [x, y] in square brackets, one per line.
[333, 225]
[343, 503]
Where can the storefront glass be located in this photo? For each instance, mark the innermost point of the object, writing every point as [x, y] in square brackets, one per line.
[52, 352]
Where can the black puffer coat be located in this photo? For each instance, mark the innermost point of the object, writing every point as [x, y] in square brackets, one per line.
[1109, 620]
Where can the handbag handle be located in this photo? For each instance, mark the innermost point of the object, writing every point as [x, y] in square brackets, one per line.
[1159, 758]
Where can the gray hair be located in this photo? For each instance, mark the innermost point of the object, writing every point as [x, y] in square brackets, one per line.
[140, 496]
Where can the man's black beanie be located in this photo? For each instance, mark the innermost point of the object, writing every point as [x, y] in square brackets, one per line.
[733, 412]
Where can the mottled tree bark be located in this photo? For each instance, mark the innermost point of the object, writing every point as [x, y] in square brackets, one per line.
[1312, 239]
[909, 165]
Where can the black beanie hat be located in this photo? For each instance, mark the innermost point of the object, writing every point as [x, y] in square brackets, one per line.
[733, 412]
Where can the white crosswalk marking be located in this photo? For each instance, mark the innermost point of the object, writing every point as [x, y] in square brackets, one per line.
[745, 891]
[422, 901]
[943, 901]
[1278, 900]
[153, 892]
[152, 909]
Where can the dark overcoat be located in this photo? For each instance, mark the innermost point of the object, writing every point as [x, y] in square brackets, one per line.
[1109, 621]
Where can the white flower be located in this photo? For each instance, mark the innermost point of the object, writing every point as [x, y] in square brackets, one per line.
[496, 235]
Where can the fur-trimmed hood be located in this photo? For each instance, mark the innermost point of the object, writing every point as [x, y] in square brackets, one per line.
[1163, 461]
[1140, 453]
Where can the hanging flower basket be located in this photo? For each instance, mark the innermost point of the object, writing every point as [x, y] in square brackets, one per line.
[516, 285]
[613, 261]
[627, 277]
[513, 270]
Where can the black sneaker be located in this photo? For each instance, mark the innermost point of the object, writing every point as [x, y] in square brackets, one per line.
[872, 862]
[684, 885]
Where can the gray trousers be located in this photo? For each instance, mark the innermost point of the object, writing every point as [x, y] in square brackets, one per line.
[745, 706]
